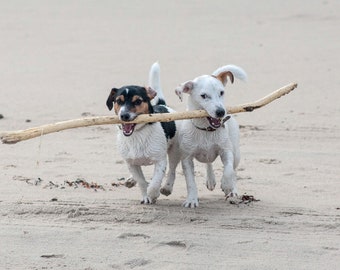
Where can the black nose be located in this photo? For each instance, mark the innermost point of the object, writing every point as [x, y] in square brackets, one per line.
[220, 112]
[125, 117]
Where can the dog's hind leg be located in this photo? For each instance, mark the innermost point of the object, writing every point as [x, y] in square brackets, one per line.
[174, 159]
[211, 182]
[189, 173]
[138, 175]
[153, 190]
[228, 181]
[234, 136]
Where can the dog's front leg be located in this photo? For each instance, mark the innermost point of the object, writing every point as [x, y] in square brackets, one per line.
[211, 182]
[189, 173]
[228, 181]
[138, 175]
[153, 190]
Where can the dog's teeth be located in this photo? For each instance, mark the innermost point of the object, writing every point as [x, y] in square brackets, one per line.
[214, 122]
[128, 129]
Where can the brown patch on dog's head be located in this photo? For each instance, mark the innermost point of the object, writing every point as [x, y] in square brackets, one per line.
[139, 106]
[118, 102]
[151, 93]
[186, 87]
[223, 77]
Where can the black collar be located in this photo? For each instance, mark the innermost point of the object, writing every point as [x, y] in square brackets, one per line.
[206, 129]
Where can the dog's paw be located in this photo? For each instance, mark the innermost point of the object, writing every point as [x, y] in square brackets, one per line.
[147, 200]
[231, 195]
[191, 203]
[210, 184]
[166, 190]
[233, 198]
[153, 193]
[229, 188]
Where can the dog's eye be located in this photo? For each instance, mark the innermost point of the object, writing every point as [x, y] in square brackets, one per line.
[119, 102]
[222, 93]
[204, 96]
[138, 102]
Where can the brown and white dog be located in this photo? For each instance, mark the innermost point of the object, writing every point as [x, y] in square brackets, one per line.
[145, 144]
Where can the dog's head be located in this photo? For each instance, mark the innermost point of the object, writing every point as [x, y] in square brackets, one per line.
[128, 102]
[207, 92]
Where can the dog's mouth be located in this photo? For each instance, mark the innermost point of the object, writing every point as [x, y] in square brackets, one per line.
[214, 122]
[128, 129]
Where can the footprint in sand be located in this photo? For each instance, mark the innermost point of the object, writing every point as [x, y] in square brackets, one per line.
[269, 161]
[133, 235]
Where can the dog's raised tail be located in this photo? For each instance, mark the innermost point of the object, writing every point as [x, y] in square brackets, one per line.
[155, 84]
[238, 72]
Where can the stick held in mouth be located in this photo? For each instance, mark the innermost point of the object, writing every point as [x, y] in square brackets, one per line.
[12, 137]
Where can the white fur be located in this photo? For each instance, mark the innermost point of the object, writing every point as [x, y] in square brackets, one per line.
[155, 82]
[203, 145]
[140, 149]
[238, 72]
[148, 146]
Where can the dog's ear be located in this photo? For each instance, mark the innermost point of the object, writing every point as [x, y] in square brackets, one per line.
[223, 77]
[184, 88]
[110, 99]
[150, 92]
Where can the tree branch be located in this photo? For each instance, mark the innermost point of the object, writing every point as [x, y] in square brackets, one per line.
[12, 137]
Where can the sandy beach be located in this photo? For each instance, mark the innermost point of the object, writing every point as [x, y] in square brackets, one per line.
[59, 60]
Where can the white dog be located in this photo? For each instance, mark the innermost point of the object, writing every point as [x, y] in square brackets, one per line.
[145, 144]
[207, 138]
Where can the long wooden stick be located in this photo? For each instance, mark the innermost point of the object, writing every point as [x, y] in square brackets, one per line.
[12, 137]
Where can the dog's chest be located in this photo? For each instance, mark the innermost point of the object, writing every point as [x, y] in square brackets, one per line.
[206, 154]
[144, 147]
[204, 146]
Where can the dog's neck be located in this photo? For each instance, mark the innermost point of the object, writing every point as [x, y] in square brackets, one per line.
[209, 128]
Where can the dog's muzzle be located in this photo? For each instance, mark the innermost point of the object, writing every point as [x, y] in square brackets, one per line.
[127, 128]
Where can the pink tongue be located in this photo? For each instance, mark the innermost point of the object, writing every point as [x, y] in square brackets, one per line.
[128, 129]
[214, 122]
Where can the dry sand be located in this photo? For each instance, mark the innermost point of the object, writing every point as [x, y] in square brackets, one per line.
[59, 59]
